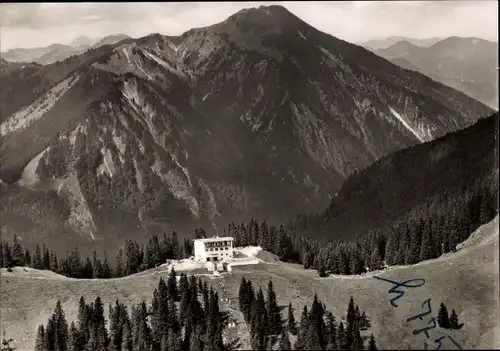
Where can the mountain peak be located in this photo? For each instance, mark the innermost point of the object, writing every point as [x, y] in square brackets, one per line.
[265, 16]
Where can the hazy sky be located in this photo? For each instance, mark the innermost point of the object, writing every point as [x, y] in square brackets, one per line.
[42, 24]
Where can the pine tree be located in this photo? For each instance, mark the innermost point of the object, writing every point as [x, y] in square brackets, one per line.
[99, 323]
[372, 346]
[284, 343]
[259, 323]
[301, 332]
[357, 342]
[292, 326]
[311, 338]
[27, 258]
[40, 339]
[46, 257]
[331, 332]
[53, 264]
[454, 320]
[195, 341]
[119, 270]
[172, 285]
[391, 247]
[341, 336]
[73, 338]
[61, 328]
[17, 253]
[350, 320]
[2, 261]
[7, 256]
[376, 259]
[83, 323]
[106, 270]
[443, 319]
[126, 344]
[274, 315]
[427, 246]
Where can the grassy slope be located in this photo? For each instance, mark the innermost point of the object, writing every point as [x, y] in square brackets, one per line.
[464, 281]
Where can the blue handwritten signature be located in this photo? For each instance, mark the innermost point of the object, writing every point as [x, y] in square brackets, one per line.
[397, 289]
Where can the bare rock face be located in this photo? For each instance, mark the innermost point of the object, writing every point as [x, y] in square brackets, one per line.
[260, 115]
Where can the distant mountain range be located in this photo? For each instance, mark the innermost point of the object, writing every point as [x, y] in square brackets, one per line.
[259, 116]
[58, 52]
[384, 43]
[467, 64]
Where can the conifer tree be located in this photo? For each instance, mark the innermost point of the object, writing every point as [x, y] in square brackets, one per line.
[60, 328]
[427, 246]
[292, 326]
[17, 253]
[311, 338]
[284, 343]
[40, 339]
[350, 321]
[27, 258]
[46, 257]
[195, 341]
[376, 259]
[84, 322]
[443, 318]
[99, 324]
[331, 332]
[372, 345]
[106, 270]
[126, 344]
[73, 338]
[357, 343]
[272, 308]
[172, 285]
[341, 336]
[53, 264]
[260, 323]
[454, 320]
[303, 325]
[119, 269]
[7, 256]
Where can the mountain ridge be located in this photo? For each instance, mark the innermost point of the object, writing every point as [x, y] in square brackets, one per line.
[466, 64]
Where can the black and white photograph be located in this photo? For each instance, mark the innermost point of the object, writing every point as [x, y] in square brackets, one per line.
[219, 176]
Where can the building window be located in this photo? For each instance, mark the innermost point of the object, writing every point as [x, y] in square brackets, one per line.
[208, 259]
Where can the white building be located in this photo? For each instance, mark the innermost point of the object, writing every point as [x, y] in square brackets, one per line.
[213, 249]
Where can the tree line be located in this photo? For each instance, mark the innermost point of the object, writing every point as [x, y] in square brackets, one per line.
[428, 231]
[183, 315]
[130, 259]
[317, 329]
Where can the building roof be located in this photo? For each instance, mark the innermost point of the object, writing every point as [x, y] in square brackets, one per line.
[219, 238]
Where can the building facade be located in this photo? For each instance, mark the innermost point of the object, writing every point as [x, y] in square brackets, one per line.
[213, 249]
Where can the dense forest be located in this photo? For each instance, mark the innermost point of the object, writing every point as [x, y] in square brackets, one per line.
[428, 231]
[317, 328]
[183, 315]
